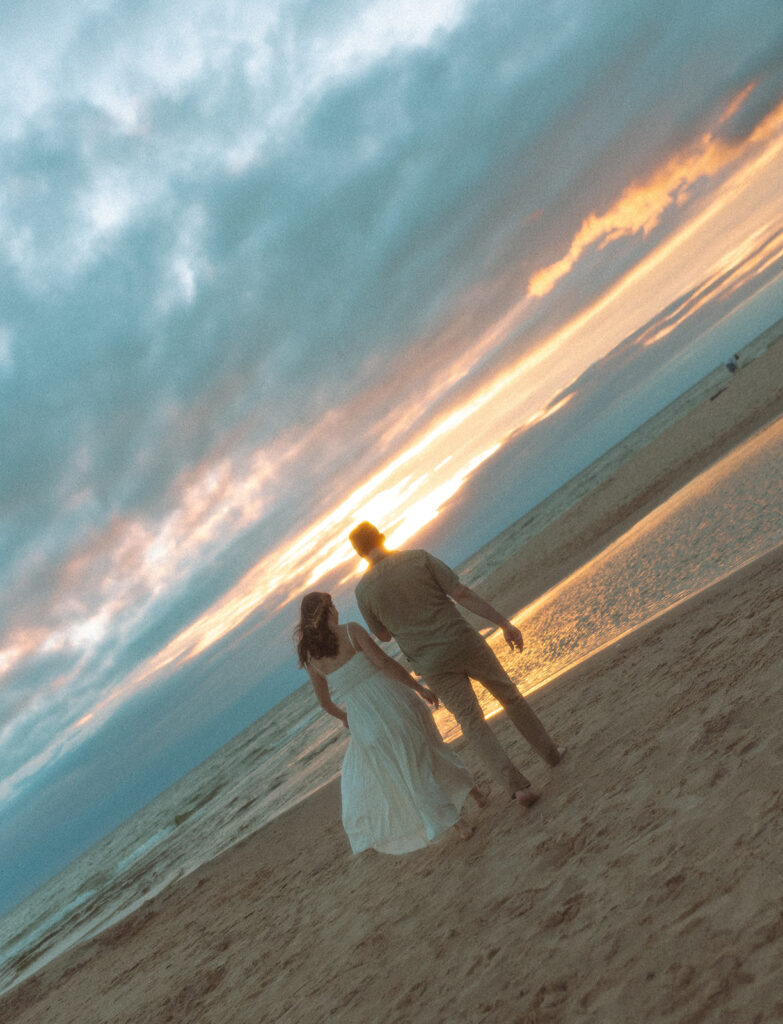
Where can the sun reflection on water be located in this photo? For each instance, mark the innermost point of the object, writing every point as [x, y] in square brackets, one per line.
[720, 521]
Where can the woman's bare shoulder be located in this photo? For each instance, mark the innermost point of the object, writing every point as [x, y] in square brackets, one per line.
[356, 627]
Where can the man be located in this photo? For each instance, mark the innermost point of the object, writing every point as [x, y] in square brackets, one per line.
[409, 596]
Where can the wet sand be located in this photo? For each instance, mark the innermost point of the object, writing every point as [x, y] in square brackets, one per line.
[737, 406]
[644, 886]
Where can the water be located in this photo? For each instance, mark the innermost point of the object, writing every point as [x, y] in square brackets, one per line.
[728, 516]
[723, 519]
[514, 538]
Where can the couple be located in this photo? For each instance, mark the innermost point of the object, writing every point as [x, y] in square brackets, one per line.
[401, 785]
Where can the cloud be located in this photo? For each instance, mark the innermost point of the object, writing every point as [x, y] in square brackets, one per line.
[250, 255]
[618, 392]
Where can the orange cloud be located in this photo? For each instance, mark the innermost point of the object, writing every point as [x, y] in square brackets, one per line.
[642, 205]
[427, 470]
[20, 645]
[404, 495]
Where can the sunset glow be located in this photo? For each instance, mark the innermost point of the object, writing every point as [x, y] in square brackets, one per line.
[641, 206]
[270, 273]
[408, 491]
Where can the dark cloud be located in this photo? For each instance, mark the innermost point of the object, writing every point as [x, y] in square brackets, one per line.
[765, 96]
[353, 233]
[225, 231]
[614, 396]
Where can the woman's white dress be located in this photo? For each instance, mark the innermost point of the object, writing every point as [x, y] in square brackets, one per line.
[401, 785]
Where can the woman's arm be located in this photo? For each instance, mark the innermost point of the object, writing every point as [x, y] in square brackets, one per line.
[321, 688]
[386, 664]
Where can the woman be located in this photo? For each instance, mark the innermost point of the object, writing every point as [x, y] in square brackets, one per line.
[401, 785]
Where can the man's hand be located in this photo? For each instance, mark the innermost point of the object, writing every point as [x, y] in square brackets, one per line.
[513, 637]
[430, 697]
[468, 599]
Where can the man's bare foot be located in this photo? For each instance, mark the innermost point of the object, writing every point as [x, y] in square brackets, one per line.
[480, 794]
[463, 830]
[526, 797]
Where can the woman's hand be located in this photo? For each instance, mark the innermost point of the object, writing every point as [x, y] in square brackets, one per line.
[430, 697]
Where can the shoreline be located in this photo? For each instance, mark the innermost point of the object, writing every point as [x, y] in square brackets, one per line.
[744, 403]
[625, 886]
[733, 407]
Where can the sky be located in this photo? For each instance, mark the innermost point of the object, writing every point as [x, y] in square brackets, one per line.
[271, 269]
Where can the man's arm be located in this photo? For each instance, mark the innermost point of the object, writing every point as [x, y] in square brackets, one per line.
[474, 603]
[391, 668]
[382, 633]
[375, 624]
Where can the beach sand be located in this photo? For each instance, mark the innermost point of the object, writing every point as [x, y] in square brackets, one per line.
[645, 886]
[737, 406]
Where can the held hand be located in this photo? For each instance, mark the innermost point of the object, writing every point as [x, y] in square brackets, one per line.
[430, 698]
[513, 637]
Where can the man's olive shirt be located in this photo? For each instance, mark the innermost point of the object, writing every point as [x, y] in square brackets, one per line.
[406, 593]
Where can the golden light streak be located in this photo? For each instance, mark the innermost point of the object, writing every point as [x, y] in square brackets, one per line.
[747, 264]
[550, 410]
[680, 261]
[483, 421]
[642, 205]
[409, 490]
[278, 577]
[427, 508]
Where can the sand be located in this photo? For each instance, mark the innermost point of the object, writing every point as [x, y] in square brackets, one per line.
[645, 886]
[737, 406]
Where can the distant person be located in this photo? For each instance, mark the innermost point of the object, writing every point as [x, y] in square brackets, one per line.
[409, 596]
[733, 364]
[401, 785]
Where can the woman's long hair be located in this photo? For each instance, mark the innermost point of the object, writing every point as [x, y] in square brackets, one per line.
[313, 636]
